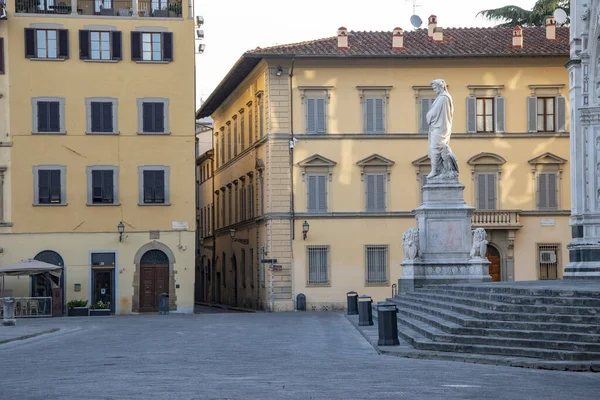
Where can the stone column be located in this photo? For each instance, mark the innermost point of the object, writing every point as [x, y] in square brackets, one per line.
[74, 7]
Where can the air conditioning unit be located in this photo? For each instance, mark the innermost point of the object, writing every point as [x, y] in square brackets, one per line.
[547, 257]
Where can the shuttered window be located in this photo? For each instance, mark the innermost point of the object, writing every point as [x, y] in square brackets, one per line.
[318, 265]
[251, 200]
[228, 142]
[317, 193]
[425, 105]
[547, 191]
[153, 117]
[242, 132]
[235, 137]
[1, 56]
[486, 191]
[154, 187]
[49, 186]
[377, 262]
[315, 115]
[101, 116]
[230, 206]
[250, 125]
[222, 148]
[485, 115]
[374, 115]
[48, 116]
[546, 114]
[103, 187]
[236, 206]
[375, 192]
[152, 46]
[46, 43]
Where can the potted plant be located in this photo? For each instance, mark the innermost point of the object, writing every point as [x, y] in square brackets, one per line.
[77, 308]
[100, 308]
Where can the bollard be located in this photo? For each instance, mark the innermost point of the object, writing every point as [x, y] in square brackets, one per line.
[352, 303]
[365, 310]
[301, 302]
[388, 324]
[8, 308]
[163, 304]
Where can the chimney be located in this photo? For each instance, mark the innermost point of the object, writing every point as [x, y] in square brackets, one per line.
[398, 39]
[517, 42]
[432, 25]
[438, 34]
[342, 38]
[550, 28]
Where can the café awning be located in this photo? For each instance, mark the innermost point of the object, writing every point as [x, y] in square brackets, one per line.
[31, 267]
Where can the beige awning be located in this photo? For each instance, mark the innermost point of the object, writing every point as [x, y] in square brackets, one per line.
[31, 267]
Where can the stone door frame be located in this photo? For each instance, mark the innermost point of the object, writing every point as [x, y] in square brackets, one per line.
[135, 299]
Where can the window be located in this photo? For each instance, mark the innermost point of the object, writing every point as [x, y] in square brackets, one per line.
[152, 46]
[545, 114]
[1, 56]
[154, 185]
[222, 146]
[261, 113]
[228, 140]
[547, 191]
[373, 101]
[377, 264]
[236, 205]
[548, 256]
[50, 44]
[250, 124]
[251, 200]
[243, 268]
[230, 205]
[242, 133]
[315, 115]
[101, 115]
[100, 45]
[252, 276]
[546, 109]
[102, 185]
[48, 115]
[235, 136]
[375, 192]
[318, 265]
[49, 185]
[486, 191]
[262, 194]
[153, 115]
[424, 105]
[243, 203]
[317, 193]
[223, 208]
[485, 115]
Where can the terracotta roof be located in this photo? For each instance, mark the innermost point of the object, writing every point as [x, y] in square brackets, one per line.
[457, 42]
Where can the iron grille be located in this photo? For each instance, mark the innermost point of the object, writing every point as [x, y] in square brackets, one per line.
[377, 257]
[318, 260]
[154, 257]
[548, 261]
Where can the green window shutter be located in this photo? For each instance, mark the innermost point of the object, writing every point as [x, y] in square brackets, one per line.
[561, 114]
[425, 104]
[380, 191]
[321, 115]
[370, 115]
[379, 117]
[491, 191]
[312, 192]
[322, 190]
[542, 191]
[499, 114]
[370, 192]
[311, 118]
[471, 115]
[481, 192]
[531, 114]
[552, 193]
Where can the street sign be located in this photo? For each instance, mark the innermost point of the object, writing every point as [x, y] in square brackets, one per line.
[268, 260]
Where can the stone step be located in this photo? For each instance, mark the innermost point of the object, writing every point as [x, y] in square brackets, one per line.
[471, 322]
[437, 335]
[504, 307]
[456, 329]
[508, 298]
[482, 313]
[537, 288]
[421, 342]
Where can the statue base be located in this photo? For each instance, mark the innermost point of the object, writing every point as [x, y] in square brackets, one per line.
[445, 239]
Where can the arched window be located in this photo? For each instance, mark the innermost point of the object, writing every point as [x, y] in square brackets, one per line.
[50, 257]
[155, 257]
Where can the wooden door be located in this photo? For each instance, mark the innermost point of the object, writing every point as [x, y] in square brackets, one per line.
[154, 280]
[493, 257]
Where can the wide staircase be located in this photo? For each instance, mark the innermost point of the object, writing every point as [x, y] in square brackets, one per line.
[546, 324]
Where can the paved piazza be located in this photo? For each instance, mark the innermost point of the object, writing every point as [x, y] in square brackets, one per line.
[216, 355]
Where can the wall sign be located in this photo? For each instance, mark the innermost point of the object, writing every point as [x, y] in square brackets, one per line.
[178, 226]
[547, 222]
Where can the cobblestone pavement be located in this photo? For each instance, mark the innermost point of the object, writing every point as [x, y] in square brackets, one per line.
[249, 356]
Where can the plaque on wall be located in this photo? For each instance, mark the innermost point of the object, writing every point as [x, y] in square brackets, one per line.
[154, 234]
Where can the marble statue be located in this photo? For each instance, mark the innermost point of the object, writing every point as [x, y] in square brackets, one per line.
[479, 247]
[410, 244]
[439, 119]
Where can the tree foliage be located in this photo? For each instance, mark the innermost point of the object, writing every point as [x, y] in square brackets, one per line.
[511, 16]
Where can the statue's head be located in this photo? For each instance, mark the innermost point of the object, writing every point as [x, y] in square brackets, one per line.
[438, 85]
[479, 235]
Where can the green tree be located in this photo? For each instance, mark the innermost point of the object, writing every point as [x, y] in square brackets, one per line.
[510, 16]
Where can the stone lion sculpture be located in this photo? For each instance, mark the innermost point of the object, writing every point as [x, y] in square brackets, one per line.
[479, 243]
[410, 244]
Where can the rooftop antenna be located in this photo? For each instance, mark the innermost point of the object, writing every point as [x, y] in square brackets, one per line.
[415, 20]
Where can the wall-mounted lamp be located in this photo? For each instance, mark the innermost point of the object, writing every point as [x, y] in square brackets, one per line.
[200, 33]
[232, 233]
[121, 229]
[305, 228]
[279, 71]
[199, 20]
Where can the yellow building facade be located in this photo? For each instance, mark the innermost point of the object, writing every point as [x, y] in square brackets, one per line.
[328, 140]
[99, 173]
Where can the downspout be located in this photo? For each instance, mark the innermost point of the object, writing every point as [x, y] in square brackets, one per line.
[291, 146]
[212, 211]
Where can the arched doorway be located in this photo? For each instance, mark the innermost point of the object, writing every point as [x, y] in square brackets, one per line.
[154, 279]
[493, 255]
[235, 280]
[42, 287]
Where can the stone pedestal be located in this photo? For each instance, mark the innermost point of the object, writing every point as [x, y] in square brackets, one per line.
[445, 240]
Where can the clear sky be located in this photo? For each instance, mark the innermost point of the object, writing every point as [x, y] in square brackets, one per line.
[233, 26]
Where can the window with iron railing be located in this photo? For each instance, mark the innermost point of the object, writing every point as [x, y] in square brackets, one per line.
[377, 264]
[318, 265]
[548, 260]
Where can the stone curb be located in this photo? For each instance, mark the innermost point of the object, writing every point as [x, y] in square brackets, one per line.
[28, 336]
[405, 350]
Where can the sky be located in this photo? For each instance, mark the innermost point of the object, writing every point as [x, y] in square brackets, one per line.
[233, 26]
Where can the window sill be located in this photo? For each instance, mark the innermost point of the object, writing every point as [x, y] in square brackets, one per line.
[382, 284]
[102, 204]
[103, 133]
[49, 133]
[152, 62]
[51, 205]
[153, 133]
[47, 59]
[101, 61]
[5, 224]
[154, 204]
[328, 284]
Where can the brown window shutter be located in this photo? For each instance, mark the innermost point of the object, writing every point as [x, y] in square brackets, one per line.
[30, 43]
[136, 46]
[1, 55]
[63, 43]
[84, 45]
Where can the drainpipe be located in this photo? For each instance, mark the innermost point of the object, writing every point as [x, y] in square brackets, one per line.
[292, 212]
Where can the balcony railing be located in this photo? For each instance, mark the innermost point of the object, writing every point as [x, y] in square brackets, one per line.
[498, 219]
[159, 8]
[113, 8]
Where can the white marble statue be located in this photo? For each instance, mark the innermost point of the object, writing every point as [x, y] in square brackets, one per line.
[439, 119]
[480, 243]
[410, 244]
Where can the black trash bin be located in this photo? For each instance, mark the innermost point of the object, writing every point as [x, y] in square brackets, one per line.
[301, 302]
[352, 303]
[365, 310]
[387, 323]
[163, 304]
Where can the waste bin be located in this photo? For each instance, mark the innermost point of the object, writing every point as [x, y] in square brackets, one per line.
[365, 310]
[387, 323]
[8, 308]
[301, 302]
[163, 304]
[352, 303]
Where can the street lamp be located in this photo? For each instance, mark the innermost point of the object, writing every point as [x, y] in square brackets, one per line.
[305, 228]
[232, 233]
[121, 229]
[201, 241]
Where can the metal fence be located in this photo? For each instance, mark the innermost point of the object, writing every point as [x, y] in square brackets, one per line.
[30, 307]
[318, 260]
[114, 8]
[159, 8]
[548, 261]
[377, 260]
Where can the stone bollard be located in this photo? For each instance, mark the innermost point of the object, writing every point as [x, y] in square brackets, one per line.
[301, 302]
[352, 303]
[387, 323]
[365, 310]
[8, 304]
[163, 304]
